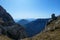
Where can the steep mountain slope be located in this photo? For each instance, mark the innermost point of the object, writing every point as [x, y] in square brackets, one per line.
[35, 27]
[6, 17]
[8, 27]
[51, 32]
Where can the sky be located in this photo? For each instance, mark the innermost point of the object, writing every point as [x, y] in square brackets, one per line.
[22, 9]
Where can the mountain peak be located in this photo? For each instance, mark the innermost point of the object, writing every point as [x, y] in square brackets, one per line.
[23, 21]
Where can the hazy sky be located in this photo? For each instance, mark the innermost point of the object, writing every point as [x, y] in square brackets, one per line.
[31, 8]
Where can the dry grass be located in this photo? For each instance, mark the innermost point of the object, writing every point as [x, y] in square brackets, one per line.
[45, 35]
[2, 37]
[50, 34]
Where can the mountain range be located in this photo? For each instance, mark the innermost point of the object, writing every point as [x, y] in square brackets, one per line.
[35, 26]
[37, 29]
[50, 32]
[23, 21]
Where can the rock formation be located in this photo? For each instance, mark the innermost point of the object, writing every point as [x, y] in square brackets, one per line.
[53, 17]
[9, 28]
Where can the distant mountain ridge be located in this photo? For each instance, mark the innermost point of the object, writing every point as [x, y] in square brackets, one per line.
[51, 31]
[35, 27]
[23, 21]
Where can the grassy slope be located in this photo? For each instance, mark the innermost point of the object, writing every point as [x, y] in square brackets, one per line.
[2, 37]
[52, 34]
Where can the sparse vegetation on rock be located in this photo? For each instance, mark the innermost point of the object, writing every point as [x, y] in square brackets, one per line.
[9, 28]
[51, 32]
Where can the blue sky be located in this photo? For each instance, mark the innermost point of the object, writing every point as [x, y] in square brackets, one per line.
[22, 9]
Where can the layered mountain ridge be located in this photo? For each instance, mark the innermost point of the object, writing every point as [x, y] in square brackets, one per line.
[35, 26]
[40, 29]
[51, 31]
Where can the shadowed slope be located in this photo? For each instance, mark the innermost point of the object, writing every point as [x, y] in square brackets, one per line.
[9, 28]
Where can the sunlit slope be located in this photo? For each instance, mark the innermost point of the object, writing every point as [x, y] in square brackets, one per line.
[51, 32]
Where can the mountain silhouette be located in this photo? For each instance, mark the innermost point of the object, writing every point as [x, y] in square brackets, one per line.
[6, 17]
[23, 21]
[50, 32]
[35, 27]
[8, 27]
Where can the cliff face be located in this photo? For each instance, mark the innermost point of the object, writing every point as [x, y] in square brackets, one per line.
[51, 32]
[8, 28]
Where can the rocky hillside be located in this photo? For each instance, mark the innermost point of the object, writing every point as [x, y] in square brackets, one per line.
[51, 32]
[8, 28]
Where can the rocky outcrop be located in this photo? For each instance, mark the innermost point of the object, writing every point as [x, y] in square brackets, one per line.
[9, 28]
[53, 17]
